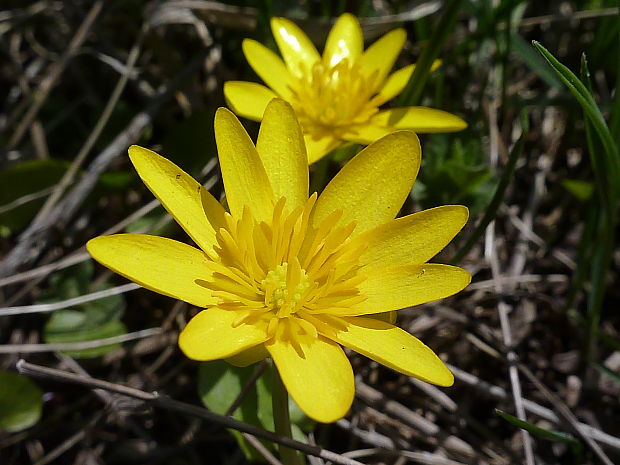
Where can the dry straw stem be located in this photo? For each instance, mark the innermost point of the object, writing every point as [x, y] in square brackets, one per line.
[109, 400]
[79, 159]
[566, 414]
[491, 254]
[376, 399]
[417, 457]
[54, 72]
[68, 346]
[50, 307]
[32, 241]
[384, 445]
[156, 400]
[499, 393]
[80, 255]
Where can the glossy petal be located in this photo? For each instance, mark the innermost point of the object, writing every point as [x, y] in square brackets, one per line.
[392, 347]
[283, 153]
[212, 335]
[162, 265]
[319, 379]
[381, 55]
[398, 287]
[419, 119]
[249, 356]
[396, 82]
[245, 179]
[366, 134]
[269, 67]
[318, 148]
[372, 187]
[248, 99]
[412, 239]
[345, 40]
[196, 211]
[298, 51]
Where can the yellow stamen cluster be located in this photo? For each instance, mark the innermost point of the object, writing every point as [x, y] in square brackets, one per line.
[285, 271]
[333, 98]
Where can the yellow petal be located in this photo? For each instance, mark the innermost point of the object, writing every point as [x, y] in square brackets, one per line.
[249, 356]
[381, 55]
[372, 187]
[396, 82]
[245, 180]
[419, 119]
[398, 287]
[212, 335]
[283, 153]
[319, 378]
[390, 346]
[345, 40]
[162, 265]
[269, 67]
[318, 148]
[412, 239]
[386, 317]
[196, 211]
[298, 51]
[366, 133]
[248, 99]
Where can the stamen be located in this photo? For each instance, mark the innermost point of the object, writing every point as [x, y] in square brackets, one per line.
[276, 273]
[333, 97]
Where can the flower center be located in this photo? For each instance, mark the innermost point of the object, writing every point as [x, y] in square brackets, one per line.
[332, 98]
[284, 273]
[285, 291]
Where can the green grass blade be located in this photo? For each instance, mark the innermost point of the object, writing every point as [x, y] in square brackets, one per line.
[549, 435]
[524, 51]
[593, 113]
[614, 119]
[612, 374]
[603, 182]
[498, 197]
[603, 243]
[412, 94]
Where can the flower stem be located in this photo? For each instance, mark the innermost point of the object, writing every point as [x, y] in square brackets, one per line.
[282, 420]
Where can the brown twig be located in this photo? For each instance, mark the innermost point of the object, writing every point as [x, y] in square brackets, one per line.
[160, 401]
[66, 346]
[499, 393]
[566, 414]
[32, 241]
[54, 72]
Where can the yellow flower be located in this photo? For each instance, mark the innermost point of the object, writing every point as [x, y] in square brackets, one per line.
[336, 97]
[290, 276]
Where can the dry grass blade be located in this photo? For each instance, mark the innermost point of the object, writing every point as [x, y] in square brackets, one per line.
[50, 307]
[163, 402]
[70, 346]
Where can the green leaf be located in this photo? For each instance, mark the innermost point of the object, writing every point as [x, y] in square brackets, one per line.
[498, 197]
[454, 172]
[582, 190]
[537, 431]
[21, 401]
[530, 58]
[594, 115]
[94, 320]
[81, 326]
[219, 385]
